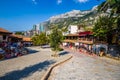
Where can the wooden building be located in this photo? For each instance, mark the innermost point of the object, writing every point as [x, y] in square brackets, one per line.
[81, 39]
[15, 38]
[4, 34]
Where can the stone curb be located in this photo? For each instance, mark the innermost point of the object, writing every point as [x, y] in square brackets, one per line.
[115, 58]
[47, 74]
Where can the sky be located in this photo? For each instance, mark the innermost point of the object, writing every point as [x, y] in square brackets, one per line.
[21, 15]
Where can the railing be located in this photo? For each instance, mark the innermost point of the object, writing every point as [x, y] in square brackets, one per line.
[81, 41]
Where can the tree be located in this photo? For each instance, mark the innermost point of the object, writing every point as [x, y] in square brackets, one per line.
[35, 39]
[103, 28]
[114, 6]
[19, 33]
[64, 29]
[40, 39]
[56, 38]
[43, 39]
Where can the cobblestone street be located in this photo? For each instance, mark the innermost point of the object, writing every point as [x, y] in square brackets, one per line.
[81, 67]
[27, 67]
[84, 67]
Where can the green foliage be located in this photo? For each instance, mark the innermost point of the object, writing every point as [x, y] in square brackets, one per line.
[43, 38]
[60, 49]
[40, 39]
[64, 29]
[103, 26]
[56, 38]
[88, 28]
[19, 33]
[35, 39]
[114, 5]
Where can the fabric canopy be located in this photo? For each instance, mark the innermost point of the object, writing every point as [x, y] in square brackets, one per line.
[85, 33]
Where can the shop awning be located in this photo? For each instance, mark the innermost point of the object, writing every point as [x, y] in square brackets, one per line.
[85, 33]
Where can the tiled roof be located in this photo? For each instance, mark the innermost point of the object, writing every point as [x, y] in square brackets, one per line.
[27, 39]
[4, 31]
[16, 36]
[21, 37]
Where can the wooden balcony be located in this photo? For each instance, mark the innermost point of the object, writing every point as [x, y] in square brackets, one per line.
[80, 41]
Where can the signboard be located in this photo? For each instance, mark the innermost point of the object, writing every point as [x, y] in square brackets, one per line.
[76, 44]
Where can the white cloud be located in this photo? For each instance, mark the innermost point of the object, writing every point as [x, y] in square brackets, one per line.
[82, 1]
[59, 2]
[34, 1]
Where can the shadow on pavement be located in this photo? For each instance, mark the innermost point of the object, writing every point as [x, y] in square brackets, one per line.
[19, 74]
[31, 51]
[63, 53]
[45, 46]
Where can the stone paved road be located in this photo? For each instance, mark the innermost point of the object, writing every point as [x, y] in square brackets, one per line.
[27, 67]
[84, 67]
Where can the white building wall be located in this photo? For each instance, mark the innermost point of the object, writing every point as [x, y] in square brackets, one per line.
[37, 27]
[73, 29]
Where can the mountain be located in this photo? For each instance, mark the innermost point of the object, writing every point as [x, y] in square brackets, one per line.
[74, 13]
[74, 17]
